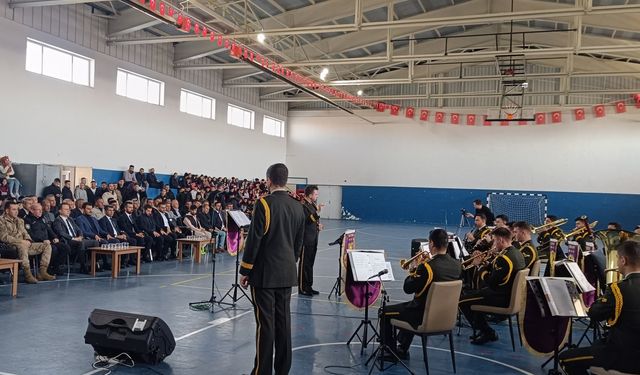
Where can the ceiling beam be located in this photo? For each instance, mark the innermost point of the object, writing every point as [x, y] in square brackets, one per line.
[46, 3]
[130, 20]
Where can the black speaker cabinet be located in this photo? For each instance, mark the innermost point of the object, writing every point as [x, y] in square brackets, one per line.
[416, 243]
[145, 338]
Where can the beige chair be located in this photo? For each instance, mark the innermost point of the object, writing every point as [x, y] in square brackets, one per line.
[515, 304]
[439, 318]
[601, 371]
[535, 268]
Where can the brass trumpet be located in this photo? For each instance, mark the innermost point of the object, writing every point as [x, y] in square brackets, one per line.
[543, 227]
[421, 256]
[577, 231]
[468, 264]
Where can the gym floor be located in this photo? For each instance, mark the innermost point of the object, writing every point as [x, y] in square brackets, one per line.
[42, 329]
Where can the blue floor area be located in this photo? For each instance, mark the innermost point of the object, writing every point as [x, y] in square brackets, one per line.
[43, 328]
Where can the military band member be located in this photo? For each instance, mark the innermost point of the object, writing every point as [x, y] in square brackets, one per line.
[273, 245]
[620, 307]
[310, 244]
[522, 232]
[474, 239]
[442, 267]
[498, 277]
[592, 265]
[544, 238]
[502, 221]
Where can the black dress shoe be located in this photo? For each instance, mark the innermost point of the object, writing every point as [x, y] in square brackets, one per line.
[314, 292]
[485, 337]
[305, 293]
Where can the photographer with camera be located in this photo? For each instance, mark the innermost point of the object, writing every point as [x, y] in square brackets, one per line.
[480, 209]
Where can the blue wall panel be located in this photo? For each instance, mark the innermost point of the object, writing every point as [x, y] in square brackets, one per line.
[442, 206]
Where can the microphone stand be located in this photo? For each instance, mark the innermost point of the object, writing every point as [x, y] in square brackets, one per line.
[338, 284]
[378, 355]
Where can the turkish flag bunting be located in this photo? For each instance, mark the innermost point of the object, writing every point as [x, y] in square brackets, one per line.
[541, 118]
[504, 123]
[556, 117]
[522, 122]
[395, 109]
[409, 112]
[439, 117]
[180, 20]
[196, 29]
[186, 25]
[485, 122]
[152, 5]
[621, 107]
[424, 115]
[162, 8]
[598, 111]
[380, 106]
[471, 120]
[204, 32]
[455, 118]
[578, 114]
[637, 99]
[236, 51]
[220, 39]
[171, 12]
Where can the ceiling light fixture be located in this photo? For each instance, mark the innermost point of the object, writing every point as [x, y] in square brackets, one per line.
[323, 73]
[360, 92]
[261, 37]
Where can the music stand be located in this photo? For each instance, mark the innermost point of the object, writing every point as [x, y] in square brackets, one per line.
[338, 284]
[366, 324]
[235, 221]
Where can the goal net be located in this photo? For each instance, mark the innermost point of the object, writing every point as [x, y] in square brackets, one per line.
[531, 208]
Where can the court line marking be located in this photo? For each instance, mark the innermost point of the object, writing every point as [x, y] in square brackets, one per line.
[213, 324]
[428, 347]
[6, 373]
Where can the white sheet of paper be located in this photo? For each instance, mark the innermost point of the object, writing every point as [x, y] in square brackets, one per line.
[388, 276]
[239, 218]
[366, 263]
[581, 280]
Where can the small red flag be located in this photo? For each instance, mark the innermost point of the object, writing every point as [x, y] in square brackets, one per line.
[455, 118]
[180, 20]
[578, 114]
[621, 107]
[196, 29]
[598, 111]
[380, 106]
[152, 5]
[541, 118]
[637, 99]
[471, 120]
[409, 112]
[522, 122]
[204, 32]
[424, 115]
[171, 12]
[556, 117]
[162, 8]
[484, 121]
[395, 109]
[439, 117]
[504, 123]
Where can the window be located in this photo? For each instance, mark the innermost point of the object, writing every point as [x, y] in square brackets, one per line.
[138, 87]
[239, 116]
[55, 62]
[197, 105]
[273, 126]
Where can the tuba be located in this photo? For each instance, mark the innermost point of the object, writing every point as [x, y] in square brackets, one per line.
[611, 239]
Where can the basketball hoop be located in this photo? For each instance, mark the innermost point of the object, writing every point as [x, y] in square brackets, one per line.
[510, 111]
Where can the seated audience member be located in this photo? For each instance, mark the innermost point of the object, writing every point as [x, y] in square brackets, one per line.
[170, 194]
[174, 181]
[77, 211]
[183, 197]
[637, 230]
[109, 224]
[91, 228]
[67, 193]
[169, 231]
[47, 215]
[4, 189]
[152, 180]
[193, 224]
[219, 226]
[98, 210]
[174, 210]
[111, 194]
[129, 175]
[26, 205]
[13, 232]
[53, 203]
[141, 178]
[104, 187]
[7, 172]
[68, 231]
[205, 217]
[55, 190]
[81, 191]
[127, 223]
[185, 208]
[146, 224]
[40, 231]
[120, 187]
[134, 192]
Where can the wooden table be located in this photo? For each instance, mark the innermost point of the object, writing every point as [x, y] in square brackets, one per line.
[13, 265]
[195, 247]
[115, 258]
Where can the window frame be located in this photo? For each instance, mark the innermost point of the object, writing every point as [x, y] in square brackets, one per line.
[200, 96]
[252, 124]
[91, 69]
[161, 89]
[281, 123]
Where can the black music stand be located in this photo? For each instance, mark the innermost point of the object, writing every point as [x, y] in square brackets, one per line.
[235, 286]
[338, 284]
[209, 304]
[378, 355]
[364, 323]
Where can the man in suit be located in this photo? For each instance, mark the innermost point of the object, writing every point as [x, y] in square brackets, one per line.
[167, 231]
[109, 225]
[147, 225]
[77, 211]
[219, 226]
[620, 307]
[273, 246]
[441, 267]
[69, 232]
[91, 228]
[127, 223]
[498, 277]
[40, 231]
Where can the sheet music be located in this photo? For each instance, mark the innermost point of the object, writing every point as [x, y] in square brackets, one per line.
[579, 277]
[558, 297]
[239, 218]
[388, 276]
[366, 263]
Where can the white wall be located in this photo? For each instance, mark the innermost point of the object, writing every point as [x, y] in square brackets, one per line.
[599, 155]
[45, 120]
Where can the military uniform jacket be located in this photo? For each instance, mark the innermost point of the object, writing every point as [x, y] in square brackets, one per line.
[274, 242]
[544, 238]
[38, 229]
[442, 267]
[500, 274]
[529, 253]
[620, 307]
[311, 222]
[478, 234]
[12, 231]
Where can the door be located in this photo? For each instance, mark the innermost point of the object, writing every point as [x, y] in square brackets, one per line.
[86, 172]
[331, 197]
[47, 175]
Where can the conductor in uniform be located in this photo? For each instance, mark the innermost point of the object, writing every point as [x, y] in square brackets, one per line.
[273, 246]
[310, 244]
[620, 307]
[441, 267]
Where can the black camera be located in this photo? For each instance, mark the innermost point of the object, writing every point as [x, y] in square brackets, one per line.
[463, 211]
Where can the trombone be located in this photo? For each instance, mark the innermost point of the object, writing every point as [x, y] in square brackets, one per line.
[577, 231]
[547, 226]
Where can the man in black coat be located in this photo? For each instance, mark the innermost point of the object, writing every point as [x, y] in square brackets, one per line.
[147, 225]
[55, 190]
[42, 232]
[127, 223]
[273, 246]
[152, 180]
[69, 232]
